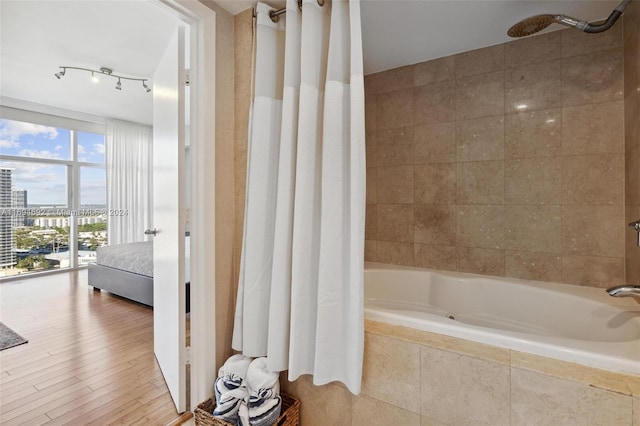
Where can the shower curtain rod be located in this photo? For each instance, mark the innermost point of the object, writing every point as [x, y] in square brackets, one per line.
[274, 14]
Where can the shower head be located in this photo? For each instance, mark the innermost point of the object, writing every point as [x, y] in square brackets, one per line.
[531, 25]
[537, 23]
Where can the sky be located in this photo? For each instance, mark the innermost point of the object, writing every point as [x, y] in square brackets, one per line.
[47, 183]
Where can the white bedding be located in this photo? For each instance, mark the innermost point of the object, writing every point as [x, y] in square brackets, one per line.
[135, 257]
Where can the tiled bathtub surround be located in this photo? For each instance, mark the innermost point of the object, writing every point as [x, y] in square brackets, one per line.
[507, 160]
[417, 378]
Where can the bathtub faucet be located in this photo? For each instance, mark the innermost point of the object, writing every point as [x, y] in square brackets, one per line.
[625, 291]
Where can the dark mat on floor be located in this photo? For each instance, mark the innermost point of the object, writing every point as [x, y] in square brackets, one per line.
[9, 338]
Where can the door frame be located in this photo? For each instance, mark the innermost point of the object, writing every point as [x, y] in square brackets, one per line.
[201, 214]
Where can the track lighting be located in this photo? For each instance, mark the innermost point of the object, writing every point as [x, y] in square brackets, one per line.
[106, 72]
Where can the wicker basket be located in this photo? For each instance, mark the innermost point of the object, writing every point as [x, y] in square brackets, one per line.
[289, 415]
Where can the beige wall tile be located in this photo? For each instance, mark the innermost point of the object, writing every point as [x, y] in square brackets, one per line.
[533, 134]
[533, 87]
[533, 228]
[480, 182]
[371, 148]
[632, 176]
[540, 399]
[395, 109]
[481, 261]
[440, 341]
[372, 179]
[434, 71]
[593, 180]
[480, 61]
[435, 257]
[480, 96]
[394, 253]
[395, 222]
[243, 41]
[326, 405]
[630, 22]
[240, 175]
[370, 112]
[533, 266]
[475, 149]
[394, 147]
[632, 111]
[593, 129]
[372, 412]
[591, 78]
[602, 379]
[391, 371]
[435, 224]
[533, 181]
[630, 55]
[593, 230]
[394, 185]
[632, 251]
[533, 50]
[389, 81]
[458, 389]
[435, 143]
[370, 251]
[371, 222]
[480, 139]
[575, 43]
[593, 271]
[480, 226]
[631, 19]
[434, 184]
[435, 103]
[426, 421]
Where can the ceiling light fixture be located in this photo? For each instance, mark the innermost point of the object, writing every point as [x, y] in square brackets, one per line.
[104, 71]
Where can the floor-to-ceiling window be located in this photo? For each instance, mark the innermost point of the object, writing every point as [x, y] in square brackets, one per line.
[52, 192]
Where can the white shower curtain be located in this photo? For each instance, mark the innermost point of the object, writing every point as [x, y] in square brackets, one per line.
[300, 296]
[129, 158]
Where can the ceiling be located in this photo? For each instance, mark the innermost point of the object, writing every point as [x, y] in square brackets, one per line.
[129, 36]
[38, 36]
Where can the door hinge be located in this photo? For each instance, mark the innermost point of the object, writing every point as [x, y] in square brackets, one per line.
[185, 77]
[187, 355]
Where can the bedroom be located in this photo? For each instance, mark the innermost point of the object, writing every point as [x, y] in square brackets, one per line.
[131, 53]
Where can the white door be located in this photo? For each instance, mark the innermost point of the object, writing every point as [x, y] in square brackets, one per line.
[168, 219]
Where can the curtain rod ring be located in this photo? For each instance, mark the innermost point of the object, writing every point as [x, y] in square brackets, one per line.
[274, 14]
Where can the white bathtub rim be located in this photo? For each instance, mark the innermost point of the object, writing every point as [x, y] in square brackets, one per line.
[511, 341]
[621, 357]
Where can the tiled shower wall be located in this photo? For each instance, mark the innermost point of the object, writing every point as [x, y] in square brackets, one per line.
[507, 160]
[632, 135]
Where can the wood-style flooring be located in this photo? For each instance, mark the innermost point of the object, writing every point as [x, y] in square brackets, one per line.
[89, 360]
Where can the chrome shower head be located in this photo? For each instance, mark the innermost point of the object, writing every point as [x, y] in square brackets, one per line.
[537, 23]
[531, 25]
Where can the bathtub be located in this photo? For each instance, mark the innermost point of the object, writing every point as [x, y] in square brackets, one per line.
[571, 323]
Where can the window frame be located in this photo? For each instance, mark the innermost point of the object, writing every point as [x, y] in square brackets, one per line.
[73, 165]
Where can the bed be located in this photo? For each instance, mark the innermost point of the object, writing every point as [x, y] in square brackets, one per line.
[126, 270]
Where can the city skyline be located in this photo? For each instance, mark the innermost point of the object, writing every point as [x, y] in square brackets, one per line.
[47, 183]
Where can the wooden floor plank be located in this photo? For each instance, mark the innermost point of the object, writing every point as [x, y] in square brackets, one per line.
[89, 359]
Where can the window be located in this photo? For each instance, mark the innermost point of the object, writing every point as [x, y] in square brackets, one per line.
[52, 192]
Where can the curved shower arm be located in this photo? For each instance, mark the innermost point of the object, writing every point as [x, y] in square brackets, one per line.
[613, 17]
